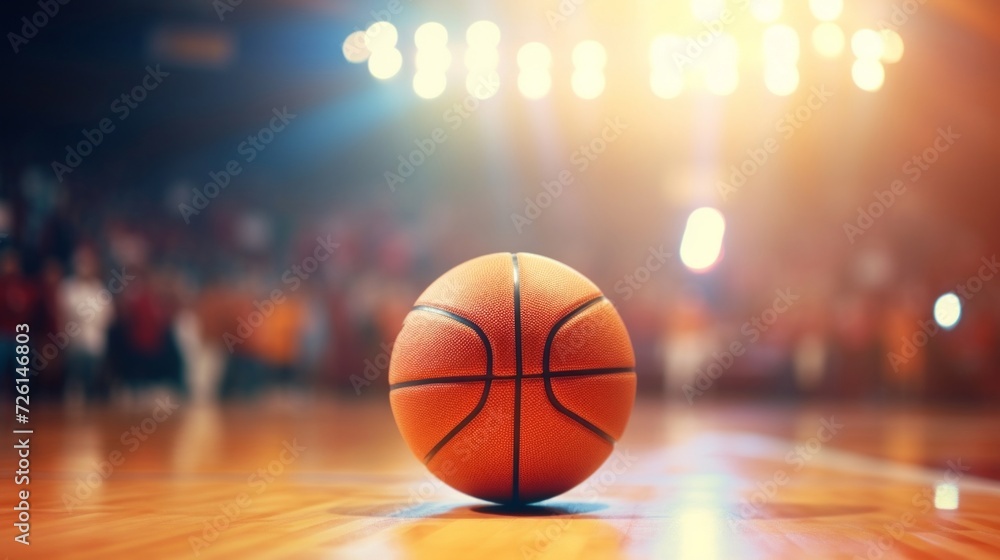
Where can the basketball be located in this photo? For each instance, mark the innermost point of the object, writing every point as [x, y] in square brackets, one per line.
[512, 378]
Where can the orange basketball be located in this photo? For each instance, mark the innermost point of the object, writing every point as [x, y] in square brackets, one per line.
[512, 378]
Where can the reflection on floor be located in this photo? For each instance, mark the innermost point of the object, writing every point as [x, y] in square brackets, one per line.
[333, 479]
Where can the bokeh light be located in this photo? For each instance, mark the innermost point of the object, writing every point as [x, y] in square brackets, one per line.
[947, 310]
[589, 54]
[534, 55]
[429, 85]
[355, 50]
[893, 46]
[781, 45]
[828, 39]
[946, 496]
[868, 75]
[534, 84]
[534, 80]
[430, 35]
[826, 10]
[385, 63]
[867, 44]
[381, 35]
[589, 58]
[588, 84]
[666, 78]
[483, 34]
[701, 244]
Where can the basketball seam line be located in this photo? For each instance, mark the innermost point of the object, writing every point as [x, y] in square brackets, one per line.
[486, 388]
[450, 379]
[519, 373]
[547, 375]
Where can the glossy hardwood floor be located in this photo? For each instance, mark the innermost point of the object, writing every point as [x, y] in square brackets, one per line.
[332, 479]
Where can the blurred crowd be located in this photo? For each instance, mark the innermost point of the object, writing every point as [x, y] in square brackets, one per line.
[122, 296]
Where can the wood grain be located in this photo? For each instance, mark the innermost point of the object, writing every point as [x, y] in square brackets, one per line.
[333, 479]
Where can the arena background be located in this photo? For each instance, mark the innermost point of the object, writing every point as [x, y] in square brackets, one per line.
[234, 205]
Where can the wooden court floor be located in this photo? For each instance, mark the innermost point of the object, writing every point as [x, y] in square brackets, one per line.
[333, 479]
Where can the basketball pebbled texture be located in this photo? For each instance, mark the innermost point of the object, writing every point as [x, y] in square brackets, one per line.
[512, 378]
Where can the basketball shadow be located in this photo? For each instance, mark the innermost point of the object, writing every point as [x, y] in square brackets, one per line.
[538, 510]
[594, 510]
[445, 510]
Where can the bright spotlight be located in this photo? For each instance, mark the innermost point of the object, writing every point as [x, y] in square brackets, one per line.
[868, 75]
[385, 63]
[381, 35]
[701, 244]
[828, 39]
[483, 34]
[430, 35]
[826, 10]
[429, 85]
[947, 310]
[867, 44]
